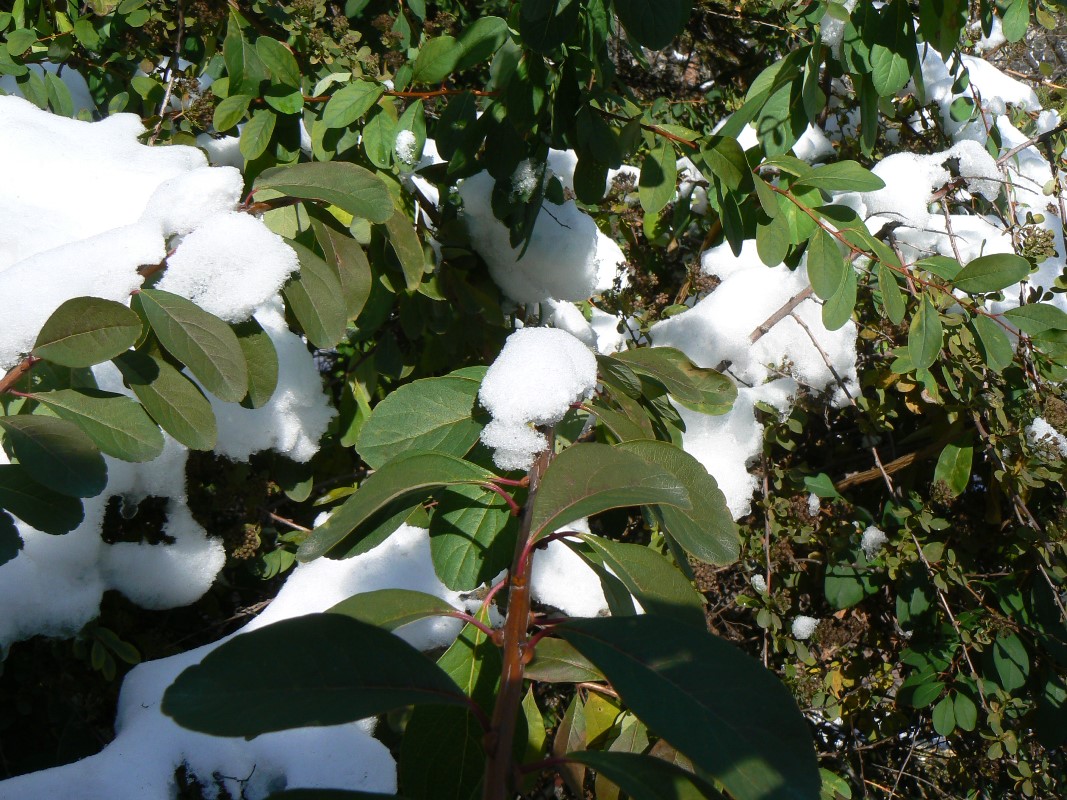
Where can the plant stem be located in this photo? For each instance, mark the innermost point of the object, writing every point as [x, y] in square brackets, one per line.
[499, 768]
[16, 374]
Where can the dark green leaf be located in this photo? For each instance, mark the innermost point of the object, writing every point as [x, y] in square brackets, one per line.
[1037, 318]
[56, 453]
[391, 608]
[945, 717]
[379, 136]
[261, 358]
[725, 160]
[924, 335]
[243, 65]
[405, 243]
[1010, 661]
[428, 414]
[230, 111]
[314, 295]
[653, 24]
[255, 136]
[277, 58]
[716, 705]
[347, 186]
[556, 661]
[841, 176]
[657, 584]
[472, 536]
[172, 400]
[284, 101]
[699, 389]
[436, 60]
[479, 41]
[117, 425]
[408, 478]
[892, 297]
[10, 541]
[586, 479]
[708, 532]
[996, 346]
[826, 265]
[646, 777]
[351, 102]
[349, 261]
[201, 341]
[545, 24]
[659, 176]
[965, 712]
[36, 505]
[992, 273]
[838, 308]
[320, 669]
[86, 331]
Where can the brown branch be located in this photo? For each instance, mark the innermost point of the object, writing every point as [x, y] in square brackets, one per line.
[1040, 138]
[894, 466]
[16, 373]
[651, 129]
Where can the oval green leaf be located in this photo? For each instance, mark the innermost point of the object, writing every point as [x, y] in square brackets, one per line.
[117, 425]
[37, 505]
[719, 707]
[57, 454]
[586, 479]
[924, 335]
[436, 60]
[653, 23]
[472, 536]
[354, 189]
[319, 669]
[351, 102]
[314, 296]
[391, 608]
[659, 174]
[201, 341]
[261, 359]
[992, 273]
[87, 330]
[556, 661]
[170, 398]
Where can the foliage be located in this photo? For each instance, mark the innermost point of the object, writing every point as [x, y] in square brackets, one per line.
[948, 637]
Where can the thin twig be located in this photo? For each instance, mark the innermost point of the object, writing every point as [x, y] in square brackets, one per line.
[172, 65]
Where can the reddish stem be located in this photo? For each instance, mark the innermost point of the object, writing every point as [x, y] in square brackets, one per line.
[477, 623]
[543, 542]
[523, 482]
[16, 373]
[515, 509]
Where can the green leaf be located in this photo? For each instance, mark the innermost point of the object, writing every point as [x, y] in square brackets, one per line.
[646, 777]
[441, 754]
[841, 176]
[436, 60]
[1035, 318]
[20, 40]
[481, 40]
[350, 263]
[170, 398]
[556, 661]
[10, 541]
[699, 389]
[847, 584]
[954, 466]
[659, 176]
[996, 346]
[1011, 662]
[773, 240]
[243, 65]
[586, 479]
[392, 608]
[429, 414]
[965, 712]
[314, 296]
[658, 585]
[279, 60]
[571, 736]
[347, 186]
[351, 102]
[319, 669]
[714, 704]
[893, 51]
[992, 273]
[1016, 19]
[708, 532]
[725, 160]
[472, 536]
[261, 359]
[201, 341]
[821, 486]
[838, 308]
[36, 505]
[545, 24]
[945, 717]
[826, 265]
[405, 243]
[653, 24]
[407, 478]
[230, 111]
[924, 335]
[56, 453]
[284, 100]
[87, 330]
[255, 136]
[379, 136]
[117, 425]
[892, 297]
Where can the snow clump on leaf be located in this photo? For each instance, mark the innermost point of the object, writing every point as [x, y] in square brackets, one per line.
[534, 380]
[804, 627]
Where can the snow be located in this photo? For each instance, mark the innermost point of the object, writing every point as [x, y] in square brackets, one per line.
[568, 258]
[872, 541]
[803, 627]
[148, 747]
[405, 147]
[539, 373]
[1040, 432]
[759, 583]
